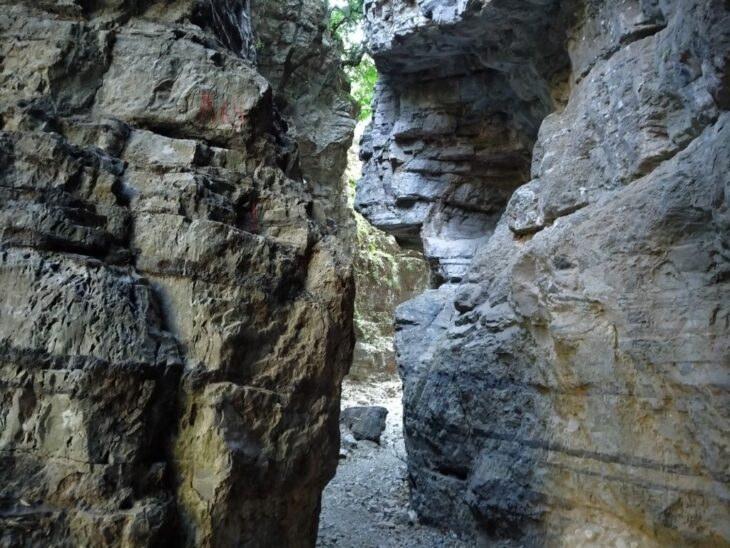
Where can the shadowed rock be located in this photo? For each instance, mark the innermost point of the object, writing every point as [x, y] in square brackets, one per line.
[568, 381]
[365, 423]
[175, 323]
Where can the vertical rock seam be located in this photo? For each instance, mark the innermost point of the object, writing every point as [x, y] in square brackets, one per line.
[175, 317]
[565, 167]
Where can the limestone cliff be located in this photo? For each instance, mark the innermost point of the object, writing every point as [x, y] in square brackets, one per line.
[296, 53]
[175, 318]
[385, 276]
[565, 167]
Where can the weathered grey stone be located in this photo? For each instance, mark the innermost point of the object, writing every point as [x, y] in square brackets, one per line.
[365, 423]
[569, 384]
[297, 54]
[385, 276]
[523, 209]
[454, 122]
[194, 91]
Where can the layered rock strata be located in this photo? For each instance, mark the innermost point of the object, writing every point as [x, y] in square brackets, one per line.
[174, 322]
[457, 109]
[565, 167]
[386, 275]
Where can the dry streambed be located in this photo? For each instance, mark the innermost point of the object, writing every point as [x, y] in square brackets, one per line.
[366, 504]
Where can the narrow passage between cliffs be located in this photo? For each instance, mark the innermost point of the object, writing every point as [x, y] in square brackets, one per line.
[367, 503]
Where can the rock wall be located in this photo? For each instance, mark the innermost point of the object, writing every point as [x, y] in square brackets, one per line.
[296, 53]
[456, 114]
[564, 165]
[175, 319]
[386, 275]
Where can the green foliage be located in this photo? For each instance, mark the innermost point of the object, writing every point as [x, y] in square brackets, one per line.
[345, 18]
[363, 78]
[345, 22]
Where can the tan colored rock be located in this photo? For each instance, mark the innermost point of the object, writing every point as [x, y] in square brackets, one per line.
[174, 323]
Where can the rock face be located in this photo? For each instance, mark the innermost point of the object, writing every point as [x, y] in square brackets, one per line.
[455, 119]
[298, 56]
[564, 165]
[175, 321]
[386, 275]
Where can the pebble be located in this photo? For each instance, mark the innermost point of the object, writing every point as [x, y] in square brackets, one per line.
[412, 517]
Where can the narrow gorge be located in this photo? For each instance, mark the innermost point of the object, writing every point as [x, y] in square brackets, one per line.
[184, 284]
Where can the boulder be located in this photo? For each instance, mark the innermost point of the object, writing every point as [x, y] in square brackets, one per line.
[365, 423]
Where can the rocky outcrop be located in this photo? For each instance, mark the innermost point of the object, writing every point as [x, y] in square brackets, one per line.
[174, 321]
[386, 275]
[300, 58]
[456, 114]
[564, 165]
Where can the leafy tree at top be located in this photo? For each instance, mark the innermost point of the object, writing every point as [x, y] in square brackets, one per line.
[363, 78]
[345, 21]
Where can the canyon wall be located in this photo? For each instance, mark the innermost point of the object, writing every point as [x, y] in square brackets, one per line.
[176, 307]
[386, 275]
[301, 60]
[565, 167]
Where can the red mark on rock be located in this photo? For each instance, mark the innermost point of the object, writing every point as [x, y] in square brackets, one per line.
[211, 110]
[207, 105]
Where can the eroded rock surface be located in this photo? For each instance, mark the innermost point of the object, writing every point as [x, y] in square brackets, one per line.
[174, 321]
[386, 276]
[301, 60]
[568, 383]
[457, 110]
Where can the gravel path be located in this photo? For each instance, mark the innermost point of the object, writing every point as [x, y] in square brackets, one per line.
[366, 504]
